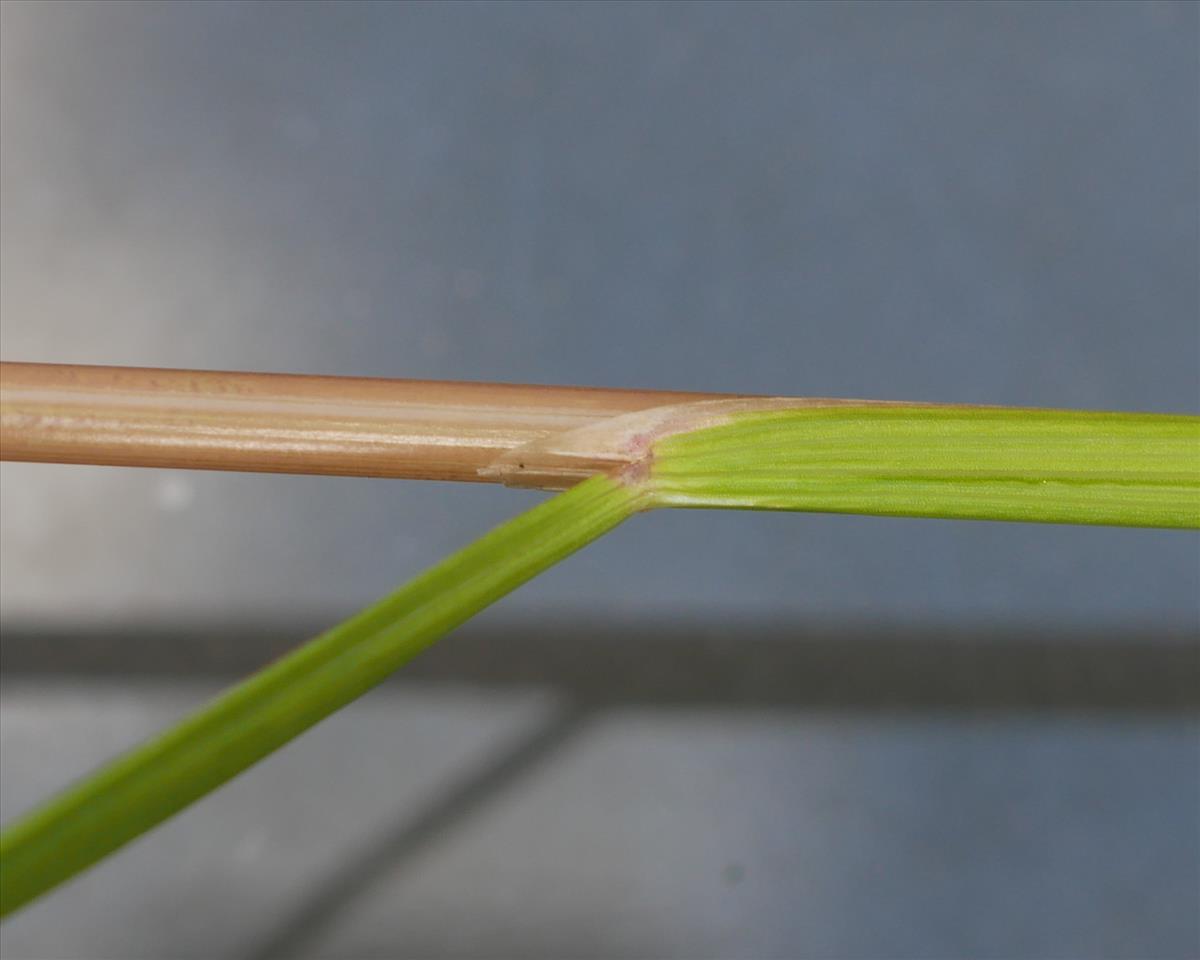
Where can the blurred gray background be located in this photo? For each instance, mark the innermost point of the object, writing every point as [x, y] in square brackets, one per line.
[709, 735]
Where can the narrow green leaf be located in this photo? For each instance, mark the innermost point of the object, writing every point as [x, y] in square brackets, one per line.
[139, 790]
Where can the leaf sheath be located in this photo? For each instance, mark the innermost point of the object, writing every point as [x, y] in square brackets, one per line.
[1048, 466]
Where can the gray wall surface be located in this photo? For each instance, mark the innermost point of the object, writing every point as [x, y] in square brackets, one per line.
[710, 734]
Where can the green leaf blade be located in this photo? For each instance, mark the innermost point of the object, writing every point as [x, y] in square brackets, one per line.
[150, 783]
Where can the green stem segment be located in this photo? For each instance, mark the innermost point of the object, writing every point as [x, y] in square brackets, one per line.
[149, 784]
[981, 463]
[1049, 466]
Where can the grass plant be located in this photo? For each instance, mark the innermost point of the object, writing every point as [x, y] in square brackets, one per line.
[884, 459]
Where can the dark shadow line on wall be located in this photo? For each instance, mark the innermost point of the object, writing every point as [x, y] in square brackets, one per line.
[383, 854]
[687, 663]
